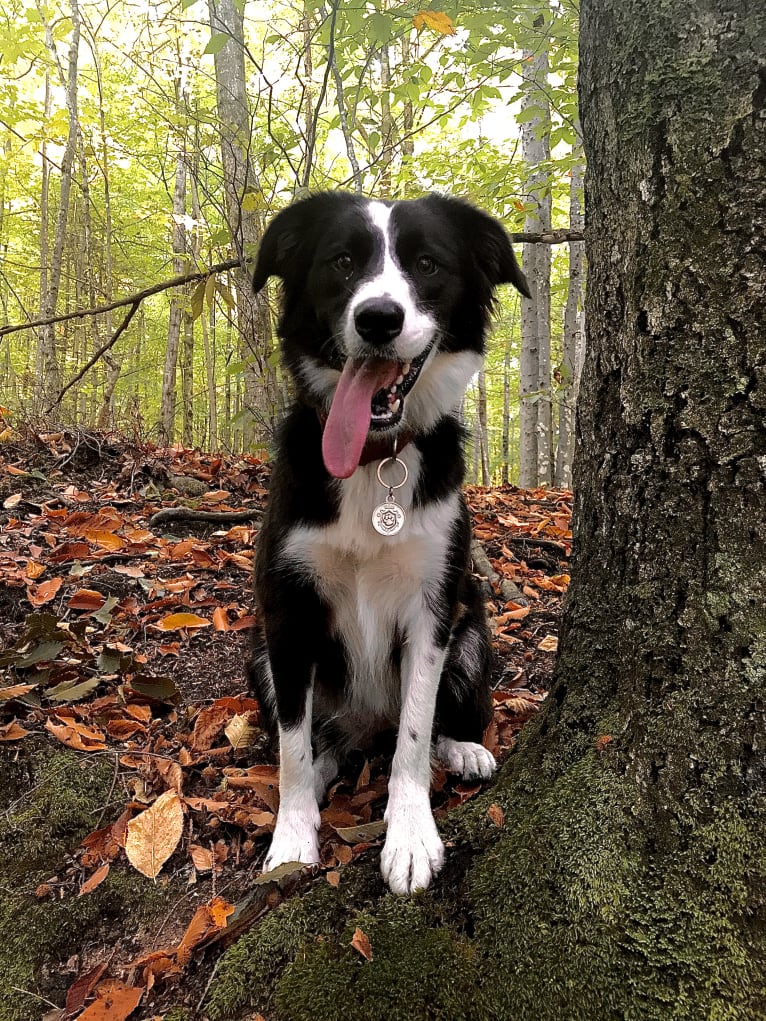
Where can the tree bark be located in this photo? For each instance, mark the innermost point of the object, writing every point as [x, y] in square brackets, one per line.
[535, 461]
[628, 880]
[49, 379]
[571, 340]
[168, 405]
[243, 218]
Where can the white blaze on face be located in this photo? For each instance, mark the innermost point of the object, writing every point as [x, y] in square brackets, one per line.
[391, 282]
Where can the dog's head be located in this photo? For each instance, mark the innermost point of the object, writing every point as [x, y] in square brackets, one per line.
[384, 308]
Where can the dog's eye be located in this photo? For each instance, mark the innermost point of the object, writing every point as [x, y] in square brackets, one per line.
[426, 265]
[343, 262]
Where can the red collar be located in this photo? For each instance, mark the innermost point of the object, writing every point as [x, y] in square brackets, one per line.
[376, 449]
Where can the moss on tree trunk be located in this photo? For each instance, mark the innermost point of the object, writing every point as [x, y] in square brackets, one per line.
[630, 877]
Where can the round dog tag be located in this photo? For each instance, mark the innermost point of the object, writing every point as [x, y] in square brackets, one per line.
[388, 518]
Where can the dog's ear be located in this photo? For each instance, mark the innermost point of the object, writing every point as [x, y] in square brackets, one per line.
[278, 246]
[488, 243]
[494, 253]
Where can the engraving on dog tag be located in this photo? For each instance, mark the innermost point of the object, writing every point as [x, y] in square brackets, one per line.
[388, 518]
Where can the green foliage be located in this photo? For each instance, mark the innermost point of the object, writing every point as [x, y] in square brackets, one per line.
[445, 117]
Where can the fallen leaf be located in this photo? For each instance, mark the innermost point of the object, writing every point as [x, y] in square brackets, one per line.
[81, 988]
[496, 814]
[77, 735]
[86, 599]
[360, 834]
[115, 1001]
[221, 619]
[12, 732]
[12, 501]
[176, 621]
[361, 943]
[202, 857]
[39, 595]
[93, 881]
[333, 878]
[207, 921]
[15, 691]
[549, 644]
[240, 732]
[153, 835]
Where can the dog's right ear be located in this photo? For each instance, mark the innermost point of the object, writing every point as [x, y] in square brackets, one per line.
[278, 246]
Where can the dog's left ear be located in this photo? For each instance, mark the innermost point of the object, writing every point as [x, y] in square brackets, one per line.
[278, 246]
[494, 253]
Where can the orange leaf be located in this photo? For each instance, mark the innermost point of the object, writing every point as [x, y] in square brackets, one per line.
[115, 1001]
[106, 539]
[98, 877]
[12, 731]
[496, 814]
[176, 621]
[207, 921]
[86, 599]
[39, 595]
[221, 619]
[361, 943]
[436, 20]
[202, 858]
[76, 735]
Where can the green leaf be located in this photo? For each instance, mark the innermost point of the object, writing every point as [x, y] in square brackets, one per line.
[198, 300]
[68, 691]
[217, 42]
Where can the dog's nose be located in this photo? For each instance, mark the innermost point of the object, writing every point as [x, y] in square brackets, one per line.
[379, 320]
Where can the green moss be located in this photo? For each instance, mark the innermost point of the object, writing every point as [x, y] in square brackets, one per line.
[51, 800]
[417, 971]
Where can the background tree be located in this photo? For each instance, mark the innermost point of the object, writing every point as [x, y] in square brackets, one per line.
[628, 879]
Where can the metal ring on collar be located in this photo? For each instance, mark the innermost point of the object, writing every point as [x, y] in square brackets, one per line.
[396, 460]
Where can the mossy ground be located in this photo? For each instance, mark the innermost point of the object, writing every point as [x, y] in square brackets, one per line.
[51, 798]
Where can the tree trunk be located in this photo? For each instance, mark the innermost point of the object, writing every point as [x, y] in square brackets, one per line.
[50, 375]
[506, 453]
[483, 428]
[571, 340]
[535, 461]
[628, 880]
[243, 218]
[177, 302]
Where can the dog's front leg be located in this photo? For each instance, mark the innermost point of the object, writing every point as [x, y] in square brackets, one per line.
[291, 672]
[413, 852]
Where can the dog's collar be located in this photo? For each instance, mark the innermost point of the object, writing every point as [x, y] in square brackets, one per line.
[376, 449]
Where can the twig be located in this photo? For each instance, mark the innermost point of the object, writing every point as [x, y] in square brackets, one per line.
[550, 237]
[104, 347]
[185, 514]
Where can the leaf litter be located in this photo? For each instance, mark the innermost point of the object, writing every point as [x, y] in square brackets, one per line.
[129, 640]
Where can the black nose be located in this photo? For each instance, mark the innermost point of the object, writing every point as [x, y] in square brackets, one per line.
[379, 320]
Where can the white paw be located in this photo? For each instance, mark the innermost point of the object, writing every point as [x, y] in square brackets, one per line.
[413, 852]
[295, 839]
[472, 761]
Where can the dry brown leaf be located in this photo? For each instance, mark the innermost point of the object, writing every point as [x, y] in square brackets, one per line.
[202, 857]
[208, 919]
[333, 878]
[39, 595]
[240, 732]
[77, 735]
[12, 732]
[86, 599]
[496, 815]
[153, 835]
[15, 691]
[220, 619]
[208, 726]
[549, 644]
[361, 943]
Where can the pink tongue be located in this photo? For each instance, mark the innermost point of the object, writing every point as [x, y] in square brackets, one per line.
[348, 423]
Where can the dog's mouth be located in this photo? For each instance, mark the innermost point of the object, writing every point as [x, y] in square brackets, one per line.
[369, 396]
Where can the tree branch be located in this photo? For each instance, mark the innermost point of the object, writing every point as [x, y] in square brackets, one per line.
[102, 350]
[178, 281]
[552, 237]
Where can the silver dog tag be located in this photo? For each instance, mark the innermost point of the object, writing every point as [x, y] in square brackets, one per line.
[388, 517]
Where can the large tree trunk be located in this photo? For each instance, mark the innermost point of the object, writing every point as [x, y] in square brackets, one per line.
[177, 303]
[628, 881]
[571, 339]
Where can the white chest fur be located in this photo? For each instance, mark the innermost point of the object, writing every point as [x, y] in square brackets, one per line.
[374, 584]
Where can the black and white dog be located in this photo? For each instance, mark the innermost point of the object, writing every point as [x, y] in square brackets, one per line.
[365, 626]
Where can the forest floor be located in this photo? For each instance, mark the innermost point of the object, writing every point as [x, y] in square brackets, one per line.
[125, 642]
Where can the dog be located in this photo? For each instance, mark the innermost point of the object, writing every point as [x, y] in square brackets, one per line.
[362, 625]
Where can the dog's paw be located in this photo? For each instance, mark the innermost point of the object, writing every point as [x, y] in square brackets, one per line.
[413, 852]
[295, 839]
[472, 761]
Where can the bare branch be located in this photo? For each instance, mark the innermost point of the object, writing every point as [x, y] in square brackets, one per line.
[178, 281]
